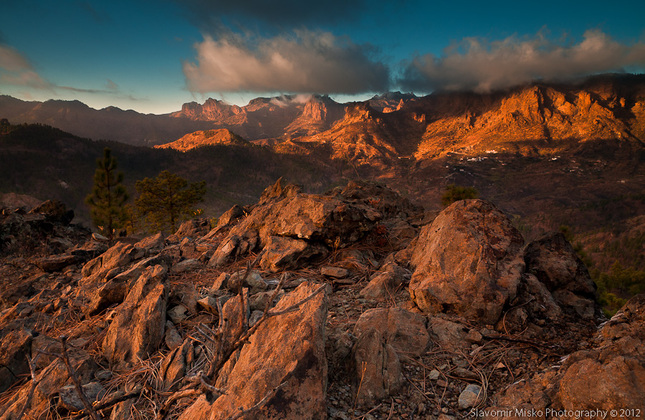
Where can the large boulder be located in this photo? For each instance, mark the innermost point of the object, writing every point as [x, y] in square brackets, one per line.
[285, 360]
[382, 335]
[468, 261]
[139, 324]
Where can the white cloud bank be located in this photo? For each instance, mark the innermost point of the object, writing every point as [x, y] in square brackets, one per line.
[477, 65]
[304, 63]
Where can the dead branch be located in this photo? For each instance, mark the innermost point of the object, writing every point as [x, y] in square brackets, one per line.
[34, 384]
[259, 403]
[77, 382]
[174, 397]
[110, 403]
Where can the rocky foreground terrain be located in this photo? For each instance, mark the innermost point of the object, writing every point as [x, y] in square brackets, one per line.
[352, 304]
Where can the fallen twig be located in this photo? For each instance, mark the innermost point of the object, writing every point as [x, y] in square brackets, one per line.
[34, 384]
[77, 382]
[259, 403]
[110, 403]
[174, 397]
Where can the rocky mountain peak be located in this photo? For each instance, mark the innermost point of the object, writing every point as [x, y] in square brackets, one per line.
[190, 141]
[211, 110]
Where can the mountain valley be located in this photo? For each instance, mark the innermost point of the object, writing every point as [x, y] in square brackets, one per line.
[353, 294]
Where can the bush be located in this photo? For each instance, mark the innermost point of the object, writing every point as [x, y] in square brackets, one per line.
[455, 193]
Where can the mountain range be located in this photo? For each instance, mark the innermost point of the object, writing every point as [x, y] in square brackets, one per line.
[549, 153]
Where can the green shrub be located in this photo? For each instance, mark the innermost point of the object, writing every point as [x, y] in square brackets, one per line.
[455, 193]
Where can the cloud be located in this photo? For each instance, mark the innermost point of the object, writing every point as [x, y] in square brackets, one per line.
[210, 14]
[481, 66]
[15, 69]
[308, 62]
[111, 86]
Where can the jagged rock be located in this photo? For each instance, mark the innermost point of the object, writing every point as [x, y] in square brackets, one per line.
[335, 272]
[254, 281]
[230, 216]
[89, 250]
[109, 263]
[285, 349]
[554, 262]
[54, 211]
[15, 346]
[57, 262]
[186, 266]
[177, 313]
[220, 283]
[234, 314]
[138, 327]
[259, 300]
[611, 375]
[186, 295]
[385, 282]
[277, 191]
[151, 244]
[284, 212]
[468, 261]
[282, 253]
[225, 252]
[383, 199]
[176, 364]
[382, 334]
[193, 228]
[208, 303]
[115, 289]
[50, 381]
[70, 399]
[540, 301]
[171, 336]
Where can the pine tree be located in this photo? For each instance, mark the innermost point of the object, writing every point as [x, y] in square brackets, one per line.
[167, 200]
[108, 197]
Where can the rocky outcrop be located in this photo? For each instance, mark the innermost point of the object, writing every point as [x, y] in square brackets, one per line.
[284, 361]
[342, 337]
[15, 347]
[608, 376]
[42, 231]
[291, 227]
[468, 261]
[138, 326]
[197, 139]
[553, 261]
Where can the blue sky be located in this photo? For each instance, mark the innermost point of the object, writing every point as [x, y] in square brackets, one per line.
[152, 56]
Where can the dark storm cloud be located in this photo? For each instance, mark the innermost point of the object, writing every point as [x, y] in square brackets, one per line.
[483, 66]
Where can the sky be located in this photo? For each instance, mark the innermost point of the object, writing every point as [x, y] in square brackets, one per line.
[154, 55]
